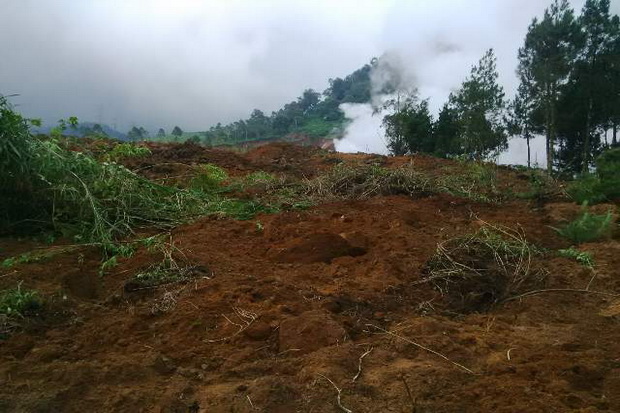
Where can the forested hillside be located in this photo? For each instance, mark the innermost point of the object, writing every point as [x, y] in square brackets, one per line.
[313, 114]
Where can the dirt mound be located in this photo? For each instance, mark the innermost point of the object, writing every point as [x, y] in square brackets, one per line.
[285, 157]
[169, 160]
[321, 247]
[294, 332]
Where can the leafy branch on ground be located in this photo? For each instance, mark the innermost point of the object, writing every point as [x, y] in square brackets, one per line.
[582, 257]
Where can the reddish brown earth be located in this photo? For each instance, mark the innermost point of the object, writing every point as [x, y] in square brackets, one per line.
[287, 302]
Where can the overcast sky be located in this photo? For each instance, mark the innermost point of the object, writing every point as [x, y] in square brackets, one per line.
[191, 63]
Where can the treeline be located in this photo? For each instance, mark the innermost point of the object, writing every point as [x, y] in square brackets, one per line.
[569, 91]
[313, 114]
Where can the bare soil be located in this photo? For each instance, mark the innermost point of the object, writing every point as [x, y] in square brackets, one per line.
[315, 311]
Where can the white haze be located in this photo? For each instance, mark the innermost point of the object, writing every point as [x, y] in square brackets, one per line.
[193, 63]
[435, 58]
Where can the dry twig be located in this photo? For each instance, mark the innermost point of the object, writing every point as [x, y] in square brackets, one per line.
[560, 290]
[359, 367]
[421, 347]
[338, 398]
[246, 318]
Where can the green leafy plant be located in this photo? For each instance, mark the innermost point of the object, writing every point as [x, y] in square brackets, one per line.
[586, 188]
[582, 257]
[127, 150]
[588, 227]
[19, 302]
[601, 186]
[542, 186]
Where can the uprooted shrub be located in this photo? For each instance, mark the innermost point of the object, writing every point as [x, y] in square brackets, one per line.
[173, 268]
[477, 271]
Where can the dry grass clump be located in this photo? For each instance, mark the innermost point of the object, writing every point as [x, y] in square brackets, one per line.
[477, 271]
[365, 181]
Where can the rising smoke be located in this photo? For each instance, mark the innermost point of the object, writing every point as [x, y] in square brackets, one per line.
[391, 76]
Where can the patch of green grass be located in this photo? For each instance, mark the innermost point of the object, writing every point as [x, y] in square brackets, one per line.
[209, 179]
[127, 150]
[259, 177]
[34, 256]
[588, 227]
[476, 182]
[582, 257]
[240, 209]
[19, 302]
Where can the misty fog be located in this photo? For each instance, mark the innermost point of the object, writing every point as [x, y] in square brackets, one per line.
[196, 63]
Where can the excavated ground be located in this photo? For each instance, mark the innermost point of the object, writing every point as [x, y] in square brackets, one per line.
[314, 311]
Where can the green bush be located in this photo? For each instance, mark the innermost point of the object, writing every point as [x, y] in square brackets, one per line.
[588, 227]
[608, 170]
[602, 186]
[586, 189]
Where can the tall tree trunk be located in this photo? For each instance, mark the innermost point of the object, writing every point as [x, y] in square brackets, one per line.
[614, 139]
[529, 152]
[586, 141]
[550, 135]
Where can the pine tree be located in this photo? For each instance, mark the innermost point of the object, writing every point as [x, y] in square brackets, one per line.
[548, 54]
[446, 131]
[479, 105]
[178, 132]
[410, 128]
[396, 124]
[523, 109]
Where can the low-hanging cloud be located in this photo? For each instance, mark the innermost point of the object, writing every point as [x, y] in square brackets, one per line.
[195, 63]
